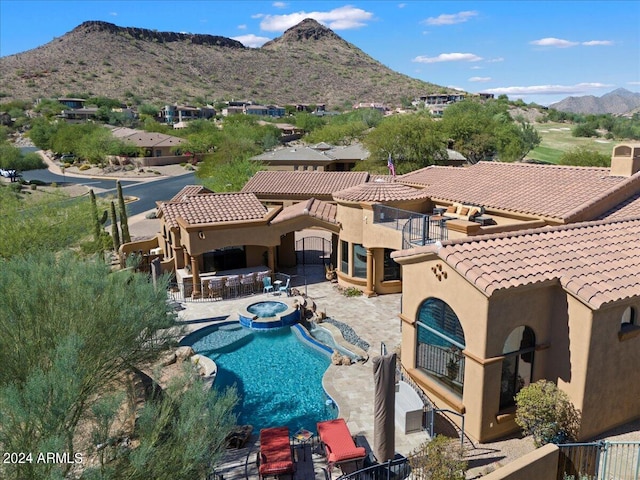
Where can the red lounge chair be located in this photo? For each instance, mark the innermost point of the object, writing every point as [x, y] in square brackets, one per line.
[338, 443]
[275, 457]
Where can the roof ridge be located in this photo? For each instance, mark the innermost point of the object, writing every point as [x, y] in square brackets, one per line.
[537, 231]
[540, 165]
[620, 187]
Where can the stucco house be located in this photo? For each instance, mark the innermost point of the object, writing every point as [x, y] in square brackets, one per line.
[509, 273]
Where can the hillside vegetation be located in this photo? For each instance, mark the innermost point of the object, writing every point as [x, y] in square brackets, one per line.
[309, 63]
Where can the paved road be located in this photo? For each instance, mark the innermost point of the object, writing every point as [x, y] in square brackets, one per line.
[147, 191]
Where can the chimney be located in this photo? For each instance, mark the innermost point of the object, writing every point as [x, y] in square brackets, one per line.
[625, 160]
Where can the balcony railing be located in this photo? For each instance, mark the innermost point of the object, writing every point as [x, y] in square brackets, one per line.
[417, 228]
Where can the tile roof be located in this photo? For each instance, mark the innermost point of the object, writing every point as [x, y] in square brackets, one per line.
[598, 262]
[141, 138]
[188, 191]
[213, 208]
[550, 191]
[379, 192]
[293, 154]
[313, 207]
[429, 175]
[309, 183]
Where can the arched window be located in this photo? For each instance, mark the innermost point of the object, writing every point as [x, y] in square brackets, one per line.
[440, 344]
[517, 365]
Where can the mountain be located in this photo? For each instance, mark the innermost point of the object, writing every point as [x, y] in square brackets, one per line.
[619, 101]
[309, 63]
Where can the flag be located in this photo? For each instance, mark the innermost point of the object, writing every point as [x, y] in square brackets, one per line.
[391, 167]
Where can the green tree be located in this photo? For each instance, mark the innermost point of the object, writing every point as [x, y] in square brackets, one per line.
[585, 157]
[413, 141]
[546, 413]
[228, 176]
[54, 364]
[440, 458]
[115, 234]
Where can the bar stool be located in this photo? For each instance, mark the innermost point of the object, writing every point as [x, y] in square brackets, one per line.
[247, 282]
[216, 288]
[233, 285]
[257, 286]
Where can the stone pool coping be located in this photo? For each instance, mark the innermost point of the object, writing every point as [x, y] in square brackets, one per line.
[261, 323]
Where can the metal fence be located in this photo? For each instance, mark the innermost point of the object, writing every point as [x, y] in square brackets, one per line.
[395, 469]
[313, 251]
[599, 461]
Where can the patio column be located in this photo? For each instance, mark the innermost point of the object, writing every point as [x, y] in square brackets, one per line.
[271, 259]
[195, 277]
[369, 292]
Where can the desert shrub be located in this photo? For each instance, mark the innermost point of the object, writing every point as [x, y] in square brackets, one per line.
[546, 413]
[439, 459]
[84, 167]
[352, 292]
[33, 186]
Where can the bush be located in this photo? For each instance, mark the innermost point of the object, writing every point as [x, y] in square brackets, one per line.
[32, 186]
[439, 459]
[352, 292]
[84, 167]
[546, 413]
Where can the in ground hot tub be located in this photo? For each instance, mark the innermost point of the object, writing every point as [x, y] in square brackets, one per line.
[269, 314]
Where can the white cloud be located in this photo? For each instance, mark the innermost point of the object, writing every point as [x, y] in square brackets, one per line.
[279, 4]
[448, 57]
[257, 15]
[342, 18]
[633, 83]
[242, 27]
[592, 43]
[553, 42]
[460, 89]
[480, 79]
[579, 88]
[251, 40]
[495, 60]
[402, 5]
[451, 19]
[476, 67]
[113, 14]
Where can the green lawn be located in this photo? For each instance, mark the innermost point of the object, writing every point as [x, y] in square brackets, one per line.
[557, 139]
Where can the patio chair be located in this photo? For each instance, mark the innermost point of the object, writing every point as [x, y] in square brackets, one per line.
[275, 457]
[285, 288]
[338, 443]
[267, 287]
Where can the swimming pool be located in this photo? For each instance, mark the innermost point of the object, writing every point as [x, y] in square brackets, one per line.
[278, 377]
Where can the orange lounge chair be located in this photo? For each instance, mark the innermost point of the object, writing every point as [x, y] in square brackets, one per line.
[275, 457]
[338, 443]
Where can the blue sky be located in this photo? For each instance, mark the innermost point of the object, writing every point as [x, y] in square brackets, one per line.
[540, 51]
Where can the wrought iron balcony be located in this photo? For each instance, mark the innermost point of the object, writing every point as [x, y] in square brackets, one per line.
[417, 228]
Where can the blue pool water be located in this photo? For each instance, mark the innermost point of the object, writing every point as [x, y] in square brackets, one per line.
[278, 378]
[267, 309]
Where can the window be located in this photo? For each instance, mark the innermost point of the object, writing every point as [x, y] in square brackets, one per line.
[628, 318]
[391, 268]
[227, 258]
[440, 344]
[359, 261]
[344, 264]
[517, 365]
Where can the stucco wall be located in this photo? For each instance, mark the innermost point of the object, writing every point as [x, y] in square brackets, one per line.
[541, 464]
[612, 383]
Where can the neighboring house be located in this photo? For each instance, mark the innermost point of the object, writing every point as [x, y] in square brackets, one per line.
[320, 157]
[265, 110]
[376, 106]
[72, 103]
[152, 144]
[510, 273]
[288, 132]
[175, 114]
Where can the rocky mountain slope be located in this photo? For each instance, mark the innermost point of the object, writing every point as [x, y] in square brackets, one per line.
[619, 101]
[309, 63]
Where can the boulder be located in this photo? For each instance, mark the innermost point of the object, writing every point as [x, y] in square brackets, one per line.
[336, 358]
[182, 353]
